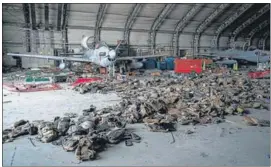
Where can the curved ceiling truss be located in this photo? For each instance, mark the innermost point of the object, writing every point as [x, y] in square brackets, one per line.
[64, 26]
[175, 24]
[255, 30]
[157, 23]
[262, 41]
[65, 16]
[204, 25]
[245, 24]
[99, 21]
[228, 22]
[130, 21]
[59, 13]
[26, 12]
[181, 25]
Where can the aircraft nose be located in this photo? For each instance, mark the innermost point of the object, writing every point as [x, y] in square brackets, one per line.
[112, 54]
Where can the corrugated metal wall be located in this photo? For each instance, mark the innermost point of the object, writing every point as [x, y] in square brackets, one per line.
[82, 20]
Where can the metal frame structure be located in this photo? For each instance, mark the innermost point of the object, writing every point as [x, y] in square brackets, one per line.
[46, 16]
[255, 30]
[33, 16]
[27, 21]
[65, 16]
[245, 24]
[130, 21]
[157, 23]
[122, 29]
[228, 22]
[182, 24]
[129, 24]
[99, 21]
[34, 32]
[64, 27]
[59, 13]
[204, 25]
[263, 39]
[31, 26]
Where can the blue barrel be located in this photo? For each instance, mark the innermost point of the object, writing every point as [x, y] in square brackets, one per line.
[150, 64]
[144, 64]
[162, 65]
[170, 63]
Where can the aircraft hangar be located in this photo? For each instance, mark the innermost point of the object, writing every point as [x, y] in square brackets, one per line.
[136, 84]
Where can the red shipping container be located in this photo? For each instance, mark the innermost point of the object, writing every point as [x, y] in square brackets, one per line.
[188, 65]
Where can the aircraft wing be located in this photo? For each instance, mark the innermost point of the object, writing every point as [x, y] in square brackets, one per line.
[141, 57]
[229, 62]
[71, 54]
[75, 59]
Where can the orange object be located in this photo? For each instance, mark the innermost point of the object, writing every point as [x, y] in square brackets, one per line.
[207, 61]
[131, 73]
[188, 65]
[155, 74]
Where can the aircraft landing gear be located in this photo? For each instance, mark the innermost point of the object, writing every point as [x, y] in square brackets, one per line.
[111, 71]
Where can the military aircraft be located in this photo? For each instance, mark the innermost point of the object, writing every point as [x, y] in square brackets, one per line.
[98, 53]
[254, 56]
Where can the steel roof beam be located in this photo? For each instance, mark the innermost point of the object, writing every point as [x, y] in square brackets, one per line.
[261, 42]
[245, 24]
[264, 40]
[59, 13]
[255, 30]
[33, 16]
[99, 21]
[228, 22]
[27, 21]
[200, 29]
[158, 22]
[26, 14]
[65, 16]
[46, 16]
[130, 21]
[64, 27]
[182, 24]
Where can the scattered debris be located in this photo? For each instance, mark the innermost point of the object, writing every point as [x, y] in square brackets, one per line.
[85, 80]
[252, 121]
[71, 115]
[128, 143]
[86, 137]
[265, 123]
[184, 100]
[159, 102]
[222, 132]
[188, 132]
[19, 123]
[32, 88]
[203, 154]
